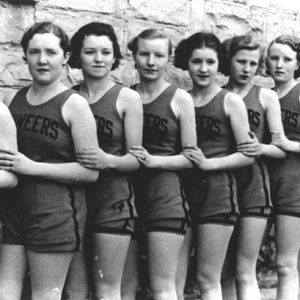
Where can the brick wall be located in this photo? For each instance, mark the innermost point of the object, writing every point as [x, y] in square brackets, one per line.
[179, 18]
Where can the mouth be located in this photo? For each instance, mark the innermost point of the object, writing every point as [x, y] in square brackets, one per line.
[279, 73]
[150, 70]
[202, 76]
[244, 77]
[42, 70]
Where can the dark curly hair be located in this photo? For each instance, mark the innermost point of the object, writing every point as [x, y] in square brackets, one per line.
[231, 46]
[46, 27]
[98, 29]
[196, 41]
[293, 43]
[148, 34]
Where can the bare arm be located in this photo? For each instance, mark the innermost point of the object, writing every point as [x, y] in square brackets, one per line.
[236, 111]
[78, 116]
[130, 109]
[7, 141]
[183, 107]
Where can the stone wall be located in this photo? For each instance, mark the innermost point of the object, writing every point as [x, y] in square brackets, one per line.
[179, 18]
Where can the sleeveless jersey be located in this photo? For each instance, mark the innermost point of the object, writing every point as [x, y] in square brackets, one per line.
[290, 115]
[214, 134]
[111, 197]
[256, 114]
[44, 205]
[161, 134]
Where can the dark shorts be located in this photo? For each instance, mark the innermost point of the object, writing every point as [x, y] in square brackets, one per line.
[160, 201]
[54, 224]
[253, 186]
[212, 196]
[285, 185]
[110, 199]
[122, 227]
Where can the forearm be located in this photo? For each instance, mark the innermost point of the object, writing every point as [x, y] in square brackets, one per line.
[173, 162]
[7, 179]
[232, 161]
[292, 146]
[272, 151]
[71, 172]
[126, 163]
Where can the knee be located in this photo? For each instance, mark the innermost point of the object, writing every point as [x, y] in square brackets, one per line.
[207, 281]
[245, 275]
[286, 267]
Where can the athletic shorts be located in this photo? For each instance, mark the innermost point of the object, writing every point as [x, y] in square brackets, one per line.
[285, 185]
[160, 201]
[121, 227]
[212, 196]
[110, 199]
[56, 223]
[253, 187]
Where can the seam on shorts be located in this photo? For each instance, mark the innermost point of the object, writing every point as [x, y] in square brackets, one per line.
[231, 193]
[287, 213]
[130, 205]
[184, 206]
[76, 225]
[267, 195]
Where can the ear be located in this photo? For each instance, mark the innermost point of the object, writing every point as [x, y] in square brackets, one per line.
[66, 58]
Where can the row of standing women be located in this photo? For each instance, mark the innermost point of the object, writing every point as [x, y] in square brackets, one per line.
[200, 172]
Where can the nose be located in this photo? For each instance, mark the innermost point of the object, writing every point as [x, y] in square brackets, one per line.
[203, 67]
[150, 60]
[98, 57]
[279, 63]
[42, 59]
[246, 68]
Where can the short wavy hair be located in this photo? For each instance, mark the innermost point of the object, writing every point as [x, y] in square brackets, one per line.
[231, 46]
[196, 41]
[149, 34]
[98, 29]
[46, 27]
[293, 43]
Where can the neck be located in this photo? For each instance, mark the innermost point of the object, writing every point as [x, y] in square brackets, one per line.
[50, 88]
[92, 88]
[152, 87]
[205, 94]
[282, 88]
[241, 90]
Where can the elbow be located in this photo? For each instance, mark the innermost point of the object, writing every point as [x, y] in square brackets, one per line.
[12, 182]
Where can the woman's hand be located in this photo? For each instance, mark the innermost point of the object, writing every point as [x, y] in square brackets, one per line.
[17, 162]
[143, 156]
[93, 158]
[196, 156]
[252, 148]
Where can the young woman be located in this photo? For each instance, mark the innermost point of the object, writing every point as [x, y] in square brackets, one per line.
[210, 186]
[119, 117]
[8, 141]
[240, 60]
[169, 127]
[53, 123]
[283, 58]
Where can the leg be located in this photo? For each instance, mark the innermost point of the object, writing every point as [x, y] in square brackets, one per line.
[77, 282]
[211, 246]
[229, 268]
[130, 279]
[183, 263]
[13, 267]
[251, 233]
[287, 239]
[48, 272]
[163, 254]
[108, 263]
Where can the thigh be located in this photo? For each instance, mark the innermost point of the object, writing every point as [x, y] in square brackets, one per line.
[211, 245]
[48, 273]
[163, 254]
[13, 267]
[251, 233]
[287, 237]
[109, 254]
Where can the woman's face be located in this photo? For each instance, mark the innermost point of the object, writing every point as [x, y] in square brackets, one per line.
[152, 58]
[282, 62]
[203, 66]
[45, 58]
[97, 56]
[243, 66]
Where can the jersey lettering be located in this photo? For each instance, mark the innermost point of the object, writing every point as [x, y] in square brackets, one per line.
[289, 118]
[208, 126]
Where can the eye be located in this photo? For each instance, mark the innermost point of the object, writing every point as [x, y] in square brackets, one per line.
[211, 61]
